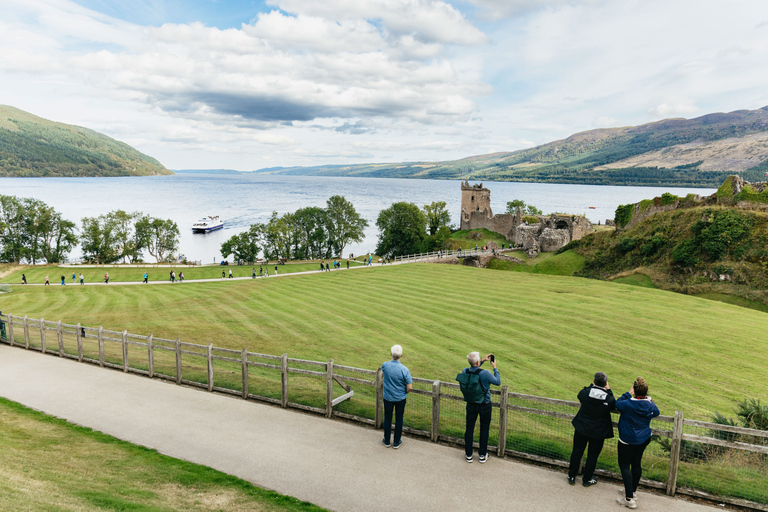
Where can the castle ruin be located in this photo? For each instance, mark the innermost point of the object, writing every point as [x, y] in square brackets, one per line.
[548, 234]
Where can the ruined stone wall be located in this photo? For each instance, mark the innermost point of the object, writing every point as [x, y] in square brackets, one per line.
[475, 205]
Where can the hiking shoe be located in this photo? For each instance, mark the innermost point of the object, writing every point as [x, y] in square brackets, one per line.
[634, 494]
[469, 459]
[385, 443]
[589, 483]
[627, 503]
[483, 458]
[397, 445]
[571, 480]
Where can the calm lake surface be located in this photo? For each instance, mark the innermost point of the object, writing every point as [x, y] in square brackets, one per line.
[244, 199]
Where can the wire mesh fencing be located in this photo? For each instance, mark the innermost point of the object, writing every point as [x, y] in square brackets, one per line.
[721, 462]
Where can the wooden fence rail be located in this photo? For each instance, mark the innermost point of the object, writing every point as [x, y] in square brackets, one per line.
[139, 354]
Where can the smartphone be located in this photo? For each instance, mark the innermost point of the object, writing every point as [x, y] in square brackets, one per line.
[493, 358]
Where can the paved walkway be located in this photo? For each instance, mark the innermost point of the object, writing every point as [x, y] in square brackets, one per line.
[333, 464]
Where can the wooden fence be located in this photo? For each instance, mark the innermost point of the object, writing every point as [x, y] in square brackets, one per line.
[718, 462]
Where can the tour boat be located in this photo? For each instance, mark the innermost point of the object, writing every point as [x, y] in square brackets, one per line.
[207, 224]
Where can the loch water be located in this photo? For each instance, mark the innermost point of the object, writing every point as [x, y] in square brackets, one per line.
[244, 199]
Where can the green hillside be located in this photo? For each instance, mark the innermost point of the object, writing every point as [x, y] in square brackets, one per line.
[698, 152]
[33, 146]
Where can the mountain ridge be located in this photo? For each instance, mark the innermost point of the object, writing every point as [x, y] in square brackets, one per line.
[31, 146]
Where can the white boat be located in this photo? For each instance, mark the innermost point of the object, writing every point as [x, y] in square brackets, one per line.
[207, 224]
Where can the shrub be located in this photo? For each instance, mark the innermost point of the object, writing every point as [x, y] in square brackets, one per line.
[623, 215]
[627, 244]
[685, 253]
[652, 245]
[667, 199]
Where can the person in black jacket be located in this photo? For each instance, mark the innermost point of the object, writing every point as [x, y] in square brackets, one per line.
[592, 426]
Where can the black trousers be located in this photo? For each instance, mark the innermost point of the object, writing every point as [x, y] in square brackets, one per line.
[580, 443]
[630, 457]
[473, 411]
[399, 408]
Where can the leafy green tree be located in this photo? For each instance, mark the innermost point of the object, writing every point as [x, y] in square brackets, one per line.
[437, 216]
[128, 244]
[402, 230]
[311, 236]
[528, 209]
[277, 235]
[57, 235]
[159, 236]
[98, 240]
[344, 224]
[243, 246]
[12, 232]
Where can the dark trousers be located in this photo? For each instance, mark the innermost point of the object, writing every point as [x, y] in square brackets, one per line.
[399, 408]
[630, 457]
[473, 411]
[580, 442]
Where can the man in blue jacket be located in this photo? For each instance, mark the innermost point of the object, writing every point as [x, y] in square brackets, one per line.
[397, 383]
[481, 409]
[592, 426]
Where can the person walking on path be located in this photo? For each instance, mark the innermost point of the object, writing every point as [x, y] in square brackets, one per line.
[63, 279]
[146, 277]
[73, 277]
[275, 269]
[397, 383]
[47, 282]
[171, 276]
[223, 275]
[230, 273]
[261, 271]
[23, 279]
[181, 277]
[347, 264]
[634, 436]
[322, 266]
[592, 426]
[106, 278]
[478, 398]
[82, 279]
[253, 273]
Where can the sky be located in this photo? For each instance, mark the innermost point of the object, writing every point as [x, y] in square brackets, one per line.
[245, 85]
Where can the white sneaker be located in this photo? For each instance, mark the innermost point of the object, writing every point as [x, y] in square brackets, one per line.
[634, 494]
[627, 503]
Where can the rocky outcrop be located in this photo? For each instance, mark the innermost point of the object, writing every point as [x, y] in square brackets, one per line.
[551, 240]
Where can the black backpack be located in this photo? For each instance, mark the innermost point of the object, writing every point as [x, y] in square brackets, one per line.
[469, 383]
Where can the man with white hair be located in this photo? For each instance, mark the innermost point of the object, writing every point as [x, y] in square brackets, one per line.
[397, 383]
[476, 386]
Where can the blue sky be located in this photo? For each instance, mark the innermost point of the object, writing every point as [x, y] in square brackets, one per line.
[247, 85]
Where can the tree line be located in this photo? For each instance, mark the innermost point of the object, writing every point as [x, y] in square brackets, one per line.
[32, 231]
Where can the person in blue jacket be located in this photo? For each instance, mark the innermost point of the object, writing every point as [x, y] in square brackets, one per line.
[397, 383]
[634, 436]
[483, 409]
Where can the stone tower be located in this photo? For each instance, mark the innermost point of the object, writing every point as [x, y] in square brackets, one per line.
[475, 204]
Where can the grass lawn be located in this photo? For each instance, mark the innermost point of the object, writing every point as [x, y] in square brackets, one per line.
[51, 465]
[469, 239]
[734, 299]
[564, 264]
[636, 279]
[550, 333]
[124, 274]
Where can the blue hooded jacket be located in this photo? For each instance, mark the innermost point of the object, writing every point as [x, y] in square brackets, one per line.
[635, 420]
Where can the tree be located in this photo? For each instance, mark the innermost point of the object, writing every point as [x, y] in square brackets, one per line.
[437, 216]
[243, 246]
[57, 236]
[402, 230]
[277, 235]
[344, 224]
[12, 233]
[159, 236]
[98, 240]
[311, 236]
[528, 209]
[128, 245]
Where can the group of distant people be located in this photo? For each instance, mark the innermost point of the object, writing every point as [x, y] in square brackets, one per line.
[592, 424]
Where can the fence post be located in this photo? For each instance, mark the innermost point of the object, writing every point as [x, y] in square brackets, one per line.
[78, 333]
[150, 356]
[101, 346]
[26, 332]
[503, 414]
[10, 329]
[435, 411]
[284, 380]
[244, 359]
[329, 389]
[210, 367]
[178, 360]
[674, 453]
[379, 396]
[60, 337]
[125, 351]
[42, 335]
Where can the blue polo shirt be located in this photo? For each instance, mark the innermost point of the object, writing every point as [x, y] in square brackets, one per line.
[396, 378]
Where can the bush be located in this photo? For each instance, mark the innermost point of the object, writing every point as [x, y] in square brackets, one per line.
[623, 214]
[627, 244]
[667, 199]
[652, 245]
[685, 253]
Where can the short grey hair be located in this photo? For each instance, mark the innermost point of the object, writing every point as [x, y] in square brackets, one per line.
[396, 351]
[473, 358]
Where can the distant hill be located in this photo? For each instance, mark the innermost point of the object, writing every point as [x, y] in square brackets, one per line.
[33, 146]
[206, 171]
[698, 152]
